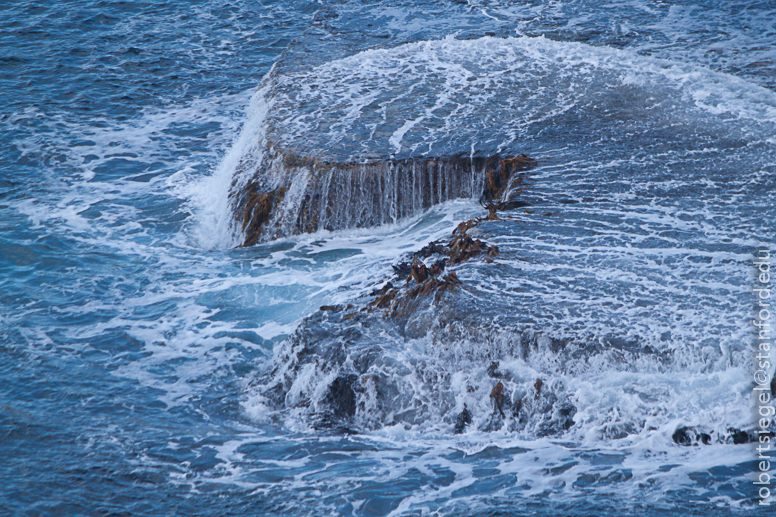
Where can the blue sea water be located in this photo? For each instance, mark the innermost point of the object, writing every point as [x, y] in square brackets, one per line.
[132, 330]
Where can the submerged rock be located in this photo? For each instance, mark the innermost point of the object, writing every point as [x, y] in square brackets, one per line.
[421, 280]
[493, 370]
[420, 346]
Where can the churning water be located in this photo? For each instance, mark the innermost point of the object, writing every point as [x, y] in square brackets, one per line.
[151, 367]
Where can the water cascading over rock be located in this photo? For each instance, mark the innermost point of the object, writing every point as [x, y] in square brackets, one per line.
[380, 135]
[290, 195]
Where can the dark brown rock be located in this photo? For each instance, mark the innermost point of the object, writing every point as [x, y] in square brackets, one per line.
[497, 397]
[538, 387]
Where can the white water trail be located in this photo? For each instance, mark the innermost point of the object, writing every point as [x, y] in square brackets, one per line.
[214, 225]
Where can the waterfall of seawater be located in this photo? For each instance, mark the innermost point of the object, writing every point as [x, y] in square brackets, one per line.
[289, 196]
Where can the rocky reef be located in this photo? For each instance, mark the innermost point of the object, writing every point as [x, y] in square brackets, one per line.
[430, 347]
[479, 331]
[424, 351]
[416, 353]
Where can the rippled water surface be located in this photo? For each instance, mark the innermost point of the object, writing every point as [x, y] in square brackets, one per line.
[138, 344]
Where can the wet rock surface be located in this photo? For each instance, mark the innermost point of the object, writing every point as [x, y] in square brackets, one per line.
[694, 436]
[418, 351]
[690, 436]
[415, 353]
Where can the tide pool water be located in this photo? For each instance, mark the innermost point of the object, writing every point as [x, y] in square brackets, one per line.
[138, 343]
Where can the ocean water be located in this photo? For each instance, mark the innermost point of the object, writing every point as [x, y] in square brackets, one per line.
[138, 343]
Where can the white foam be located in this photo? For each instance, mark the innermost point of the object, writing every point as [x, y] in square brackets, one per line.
[209, 196]
[449, 94]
